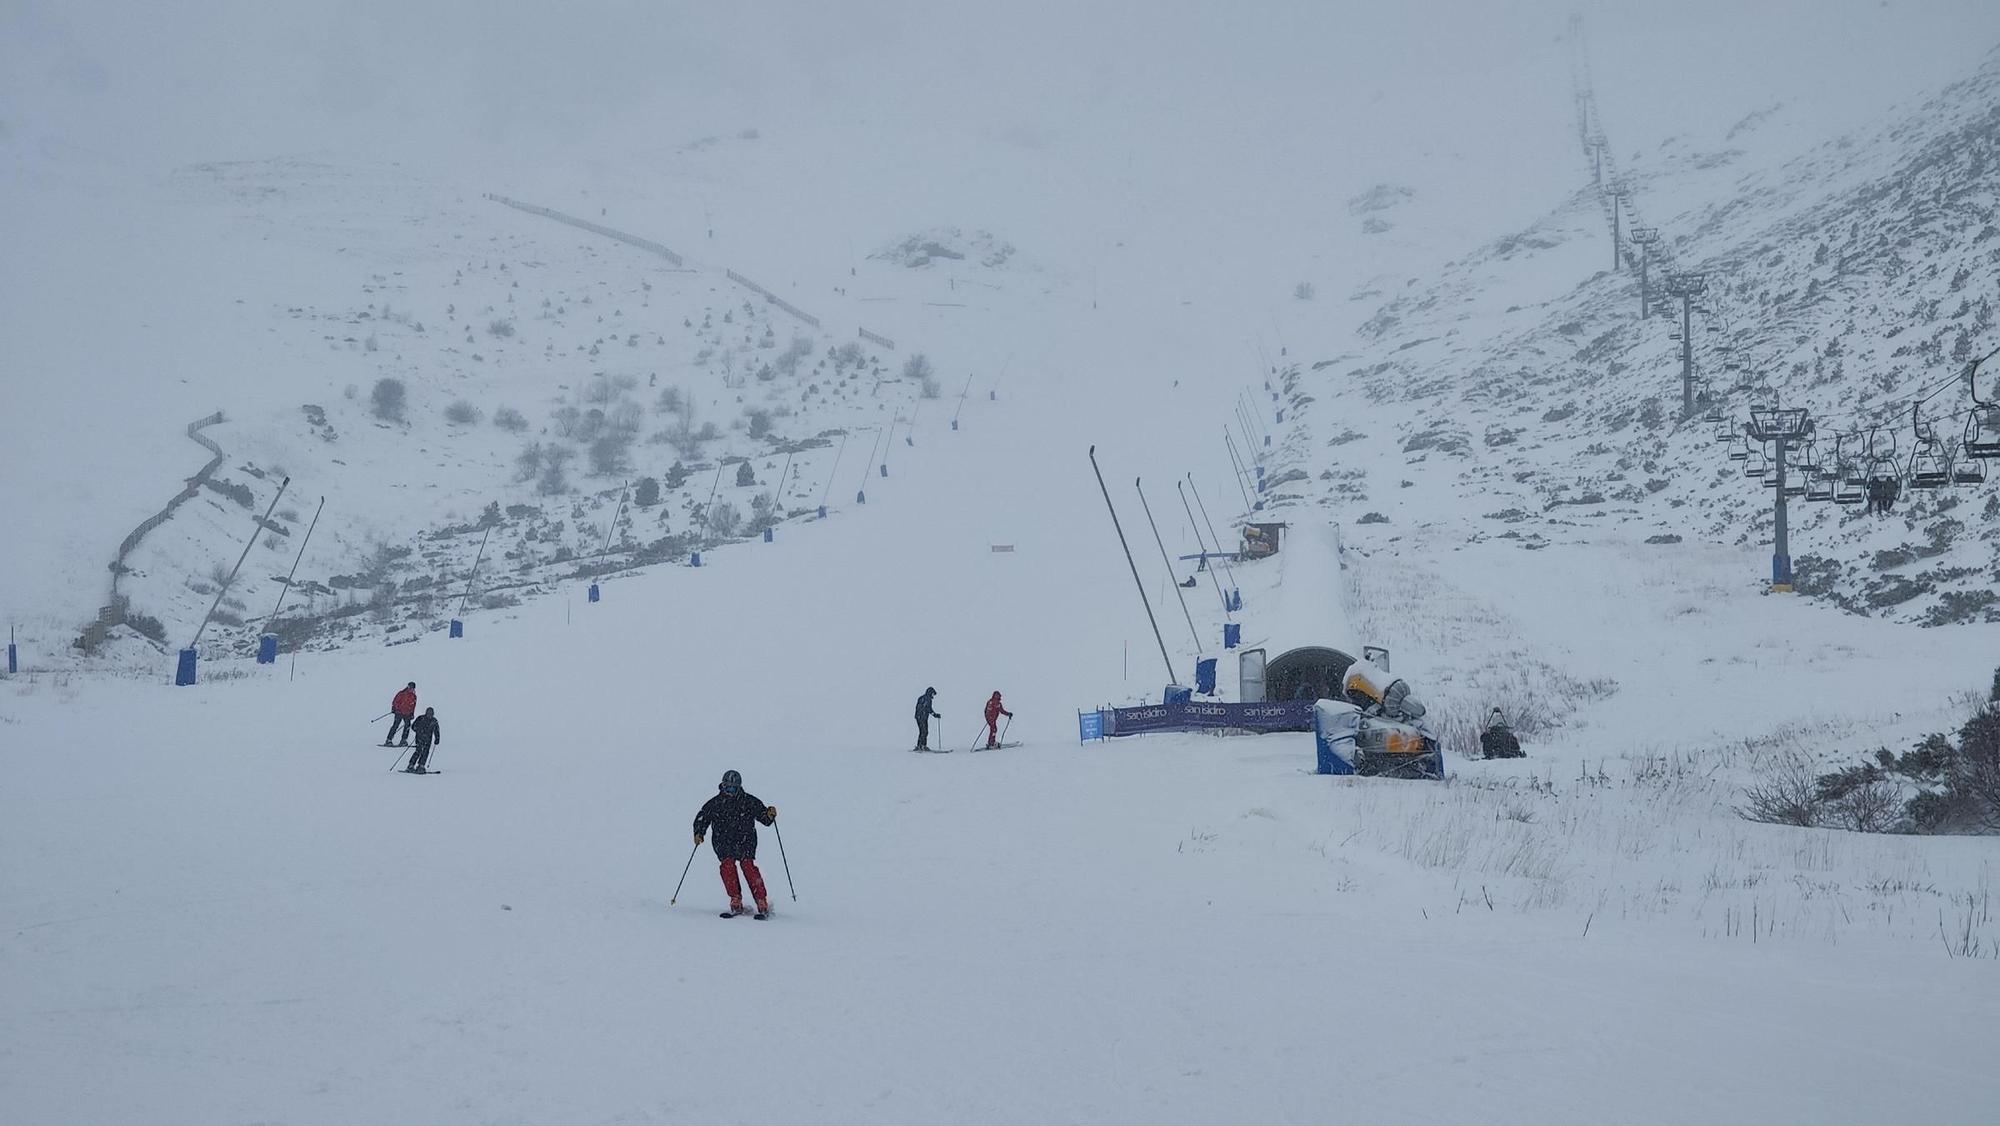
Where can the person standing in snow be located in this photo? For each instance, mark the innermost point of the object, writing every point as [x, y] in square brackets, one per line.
[994, 710]
[1497, 741]
[925, 714]
[734, 814]
[404, 708]
[428, 732]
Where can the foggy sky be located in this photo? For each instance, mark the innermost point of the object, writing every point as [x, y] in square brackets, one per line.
[509, 79]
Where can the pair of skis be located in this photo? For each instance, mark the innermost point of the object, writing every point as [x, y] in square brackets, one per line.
[755, 915]
[947, 750]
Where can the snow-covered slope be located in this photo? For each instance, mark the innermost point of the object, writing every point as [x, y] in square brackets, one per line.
[1855, 281]
[219, 904]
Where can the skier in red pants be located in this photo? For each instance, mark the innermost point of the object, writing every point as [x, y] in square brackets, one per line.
[994, 710]
[734, 815]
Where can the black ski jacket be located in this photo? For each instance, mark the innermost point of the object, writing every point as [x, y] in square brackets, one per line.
[1498, 742]
[734, 820]
[924, 706]
[427, 730]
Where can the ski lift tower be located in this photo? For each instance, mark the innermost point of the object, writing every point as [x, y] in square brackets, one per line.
[1619, 201]
[1687, 287]
[1779, 426]
[1646, 238]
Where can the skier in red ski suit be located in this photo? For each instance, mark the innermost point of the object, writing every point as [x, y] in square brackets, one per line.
[734, 814]
[994, 710]
[404, 708]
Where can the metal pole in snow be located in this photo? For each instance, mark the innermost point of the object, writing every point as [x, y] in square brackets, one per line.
[1181, 488]
[475, 570]
[1136, 582]
[1194, 635]
[239, 562]
[1248, 505]
[1211, 529]
[287, 588]
[708, 506]
[623, 487]
[828, 490]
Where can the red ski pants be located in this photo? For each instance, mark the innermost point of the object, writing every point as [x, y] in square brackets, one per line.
[750, 873]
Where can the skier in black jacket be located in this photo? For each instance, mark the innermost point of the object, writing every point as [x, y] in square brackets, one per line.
[427, 732]
[924, 717]
[734, 814]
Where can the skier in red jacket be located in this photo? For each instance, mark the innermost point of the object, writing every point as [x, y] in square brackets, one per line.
[404, 708]
[994, 710]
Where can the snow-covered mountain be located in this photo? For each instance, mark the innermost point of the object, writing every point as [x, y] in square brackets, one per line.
[1519, 395]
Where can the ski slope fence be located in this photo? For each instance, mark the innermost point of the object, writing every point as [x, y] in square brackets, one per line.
[587, 225]
[774, 299]
[1193, 715]
[877, 338]
[187, 493]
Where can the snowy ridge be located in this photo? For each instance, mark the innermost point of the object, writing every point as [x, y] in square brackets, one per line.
[1850, 281]
[507, 342]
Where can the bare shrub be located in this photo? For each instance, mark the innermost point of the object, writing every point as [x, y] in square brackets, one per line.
[724, 519]
[1788, 794]
[502, 327]
[1871, 808]
[461, 413]
[607, 454]
[510, 420]
[919, 367]
[528, 464]
[760, 421]
[388, 399]
[1303, 291]
[555, 471]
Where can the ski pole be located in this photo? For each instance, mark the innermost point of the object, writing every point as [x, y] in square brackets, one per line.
[786, 862]
[383, 716]
[399, 758]
[1004, 727]
[684, 874]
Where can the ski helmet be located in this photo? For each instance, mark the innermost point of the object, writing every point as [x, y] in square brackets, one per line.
[731, 778]
[930, 691]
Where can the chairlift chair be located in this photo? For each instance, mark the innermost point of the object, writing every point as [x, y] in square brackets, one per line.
[1982, 426]
[1849, 485]
[1929, 469]
[1930, 464]
[1968, 472]
[1982, 434]
[1758, 465]
[1738, 452]
[1851, 473]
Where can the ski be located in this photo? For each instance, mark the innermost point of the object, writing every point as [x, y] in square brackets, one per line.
[998, 746]
[930, 750]
[730, 914]
[761, 915]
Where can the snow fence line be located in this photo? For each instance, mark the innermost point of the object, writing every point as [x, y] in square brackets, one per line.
[587, 225]
[662, 251]
[773, 298]
[878, 338]
[191, 490]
